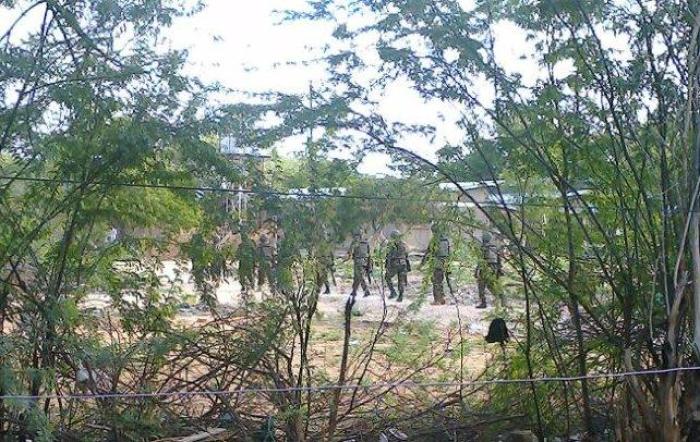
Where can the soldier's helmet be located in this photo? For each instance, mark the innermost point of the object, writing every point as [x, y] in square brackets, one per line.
[395, 234]
[263, 238]
[486, 237]
[356, 233]
[435, 228]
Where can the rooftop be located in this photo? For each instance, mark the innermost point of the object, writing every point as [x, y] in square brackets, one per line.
[471, 185]
[229, 146]
[306, 192]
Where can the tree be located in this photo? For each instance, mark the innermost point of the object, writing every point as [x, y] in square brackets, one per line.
[95, 126]
[107, 164]
[621, 123]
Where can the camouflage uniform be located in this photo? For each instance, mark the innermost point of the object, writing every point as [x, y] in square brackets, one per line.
[439, 252]
[326, 261]
[266, 260]
[287, 256]
[361, 263]
[489, 271]
[397, 264]
[246, 263]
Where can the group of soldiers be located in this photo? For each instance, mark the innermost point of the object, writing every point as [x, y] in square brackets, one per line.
[261, 257]
[397, 265]
[264, 260]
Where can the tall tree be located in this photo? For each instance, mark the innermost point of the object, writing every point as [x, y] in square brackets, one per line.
[96, 122]
[601, 145]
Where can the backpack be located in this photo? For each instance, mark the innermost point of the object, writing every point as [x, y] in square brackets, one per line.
[443, 249]
[361, 249]
[498, 332]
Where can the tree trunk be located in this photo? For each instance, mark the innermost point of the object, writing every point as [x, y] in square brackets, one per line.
[576, 319]
[333, 415]
[695, 254]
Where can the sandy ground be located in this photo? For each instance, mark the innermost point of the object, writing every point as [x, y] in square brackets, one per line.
[416, 305]
[368, 312]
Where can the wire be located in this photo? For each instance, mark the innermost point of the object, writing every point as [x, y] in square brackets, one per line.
[333, 387]
[498, 202]
[214, 189]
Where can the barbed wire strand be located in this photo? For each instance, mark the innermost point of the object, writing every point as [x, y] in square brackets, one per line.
[332, 387]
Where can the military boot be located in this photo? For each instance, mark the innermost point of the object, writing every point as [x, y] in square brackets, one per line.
[482, 294]
[438, 294]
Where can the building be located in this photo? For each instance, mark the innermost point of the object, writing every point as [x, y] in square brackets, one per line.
[250, 160]
[229, 146]
[479, 196]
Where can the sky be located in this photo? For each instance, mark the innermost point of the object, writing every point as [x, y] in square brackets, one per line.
[243, 46]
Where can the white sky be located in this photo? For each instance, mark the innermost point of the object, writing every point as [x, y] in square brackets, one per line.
[241, 45]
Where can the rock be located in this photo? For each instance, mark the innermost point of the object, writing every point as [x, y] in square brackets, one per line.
[397, 434]
[226, 419]
[521, 436]
[82, 375]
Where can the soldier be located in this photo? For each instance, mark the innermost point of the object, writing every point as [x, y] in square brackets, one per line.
[266, 260]
[489, 271]
[397, 264]
[438, 252]
[361, 262]
[326, 261]
[287, 255]
[246, 262]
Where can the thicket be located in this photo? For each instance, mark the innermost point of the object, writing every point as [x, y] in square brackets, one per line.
[106, 154]
[601, 152]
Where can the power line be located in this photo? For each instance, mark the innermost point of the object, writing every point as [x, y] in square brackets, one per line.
[498, 202]
[257, 192]
[335, 387]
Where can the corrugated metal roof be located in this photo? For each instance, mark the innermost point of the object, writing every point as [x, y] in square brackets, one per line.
[306, 192]
[471, 185]
[229, 146]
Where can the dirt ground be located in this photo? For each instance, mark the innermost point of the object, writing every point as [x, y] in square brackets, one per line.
[417, 303]
[327, 329]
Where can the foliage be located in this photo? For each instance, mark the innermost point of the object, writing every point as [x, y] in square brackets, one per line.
[94, 121]
[103, 140]
[598, 148]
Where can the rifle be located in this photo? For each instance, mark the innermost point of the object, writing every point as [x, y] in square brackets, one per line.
[332, 272]
[449, 282]
[383, 277]
[368, 271]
